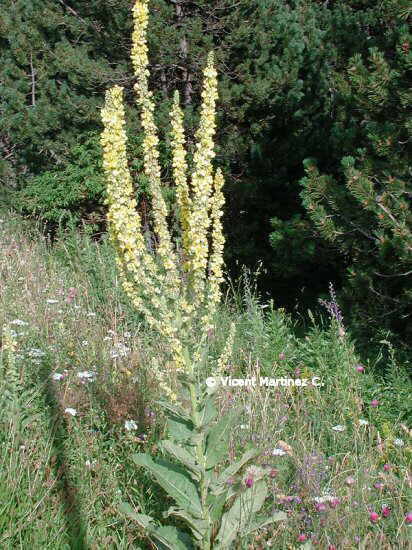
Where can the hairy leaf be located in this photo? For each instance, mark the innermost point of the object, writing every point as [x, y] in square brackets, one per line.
[238, 518]
[218, 440]
[183, 456]
[174, 481]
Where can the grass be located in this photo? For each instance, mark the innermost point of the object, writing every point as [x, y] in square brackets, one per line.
[62, 476]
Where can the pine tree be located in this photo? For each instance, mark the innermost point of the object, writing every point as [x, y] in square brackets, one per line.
[365, 209]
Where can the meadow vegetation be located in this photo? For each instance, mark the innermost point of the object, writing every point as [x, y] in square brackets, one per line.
[82, 399]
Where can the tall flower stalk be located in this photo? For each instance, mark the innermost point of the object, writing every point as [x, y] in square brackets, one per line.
[177, 290]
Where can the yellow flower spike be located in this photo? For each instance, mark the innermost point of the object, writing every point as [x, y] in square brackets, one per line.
[150, 146]
[9, 344]
[139, 46]
[227, 351]
[218, 242]
[172, 301]
[202, 181]
[180, 172]
[124, 220]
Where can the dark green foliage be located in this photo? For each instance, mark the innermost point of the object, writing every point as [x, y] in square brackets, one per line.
[72, 193]
[56, 62]
[364, 208]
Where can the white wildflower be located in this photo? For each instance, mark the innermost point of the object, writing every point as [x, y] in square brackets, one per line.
[363, 422]
[278, 452]
[339, 428]
[57, 376]
[398, 442]
[86, 375]
[119, 350]
[324, 498]
[36, 352]
[52, 301]
[71, 411]
[130, 425]
[19, 322]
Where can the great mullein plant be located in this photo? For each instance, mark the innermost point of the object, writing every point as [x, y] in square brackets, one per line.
[176, 287]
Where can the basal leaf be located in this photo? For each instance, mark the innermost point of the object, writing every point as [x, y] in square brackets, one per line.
[197, 526]
[171, 538]
[237, 520]
[142, 519]
[183, 456]
[174, 481]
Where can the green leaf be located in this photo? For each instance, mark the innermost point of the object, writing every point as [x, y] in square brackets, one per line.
[174, 481]
[218, 441]
[142, 519]
[197, 526]
[208, 412]
[174, 409]
[238, 518]
[179, 429]
[216, 503]
[183, 456]
[171, 538]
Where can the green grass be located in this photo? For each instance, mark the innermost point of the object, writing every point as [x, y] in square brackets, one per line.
[62, 477]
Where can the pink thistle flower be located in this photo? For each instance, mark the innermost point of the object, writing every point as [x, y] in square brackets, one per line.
[378, 485]
[374, 403]
[282, 356]
[349, 480]
[374, 517]
[360, 368]
[302, 537]
[386, 511]
[320, 506]
[331, 547]
[386, 467]
[408, 518]
[249, 482]
[334, 503]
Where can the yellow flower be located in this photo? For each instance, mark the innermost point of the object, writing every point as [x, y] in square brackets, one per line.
[177, 295]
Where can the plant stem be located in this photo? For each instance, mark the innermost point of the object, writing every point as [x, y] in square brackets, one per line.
[202, 463]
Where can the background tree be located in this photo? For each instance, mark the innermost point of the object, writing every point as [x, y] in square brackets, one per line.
[365, 208]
